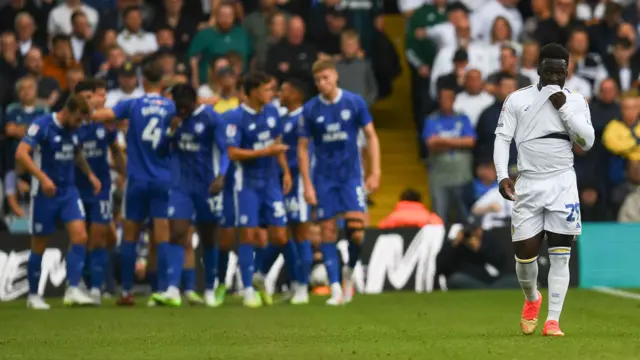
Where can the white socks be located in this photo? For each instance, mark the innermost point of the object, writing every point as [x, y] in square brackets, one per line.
[558, 280]
[527, 272]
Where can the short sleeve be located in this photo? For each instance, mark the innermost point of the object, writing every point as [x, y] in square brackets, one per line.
[467, 128]
[122, 109]
[11, 116]
[34, 135]
[363, 116]
[429, 129]
[232, 131]
[507, 122]
[304, 122]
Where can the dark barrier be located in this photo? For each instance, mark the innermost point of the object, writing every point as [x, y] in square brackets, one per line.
[395, 259]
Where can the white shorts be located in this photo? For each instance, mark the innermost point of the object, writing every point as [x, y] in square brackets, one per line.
[551, 204]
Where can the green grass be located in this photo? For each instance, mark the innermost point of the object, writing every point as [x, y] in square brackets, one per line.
[454, 325]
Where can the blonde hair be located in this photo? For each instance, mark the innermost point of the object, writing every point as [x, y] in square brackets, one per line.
[322, 65]
[21, 81]
[349, 34]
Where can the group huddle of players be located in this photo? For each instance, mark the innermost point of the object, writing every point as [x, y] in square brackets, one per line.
[237, 178]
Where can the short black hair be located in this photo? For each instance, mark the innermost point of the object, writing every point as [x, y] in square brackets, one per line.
[99, 84]
[254, 80]
[152, 72]
[503, 75]
[77, 14]
[85, 85]
[76, 103]
[184, 96]
[59, 38]
[299, 86]
[457, 6]
[410, 195]
[554, 51]
[129, 9]
[163, 28]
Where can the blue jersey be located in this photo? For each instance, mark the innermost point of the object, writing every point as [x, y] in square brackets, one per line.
[149, 119]
[200, 150]
[333, 129]
[290, 136]
[95, 140]
[248, 129]
[22, 116]
[54, 150]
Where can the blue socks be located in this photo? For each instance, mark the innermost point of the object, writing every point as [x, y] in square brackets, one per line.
[34, 265]
[354, 253]
[271, 253]
[127, 264]
[290, 253]
[98, 264]
[305, 260]
[175, 262]
[223, 265]
[330, 258]
[110, 281]
[152, 278]
[209, 260]
[75, 264]
[245, 261]
[189, 279]
[261, 253]
[163, 250]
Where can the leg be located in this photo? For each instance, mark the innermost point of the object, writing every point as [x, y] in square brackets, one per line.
[75, 263]
[527, 251]
[329, 234]
[98, 238]
[207, 233]
[189, 270]
[175, 254]
[43, 222]
[246, 263]
[354, 229]
[439, 200]
[305, 260]
[559, 276]
[159, 212]
[227, 241]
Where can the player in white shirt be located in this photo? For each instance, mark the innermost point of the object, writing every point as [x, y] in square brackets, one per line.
[545, 194]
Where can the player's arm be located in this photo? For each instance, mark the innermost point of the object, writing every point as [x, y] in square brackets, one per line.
[578, 124]
[237, 153]
[25, 162]
[373, 151]
[119, 112]
[286, 172]
[14, 130]
[117, 153]
[303, 161]
[103, 115]
[82, 164]
[506, 128]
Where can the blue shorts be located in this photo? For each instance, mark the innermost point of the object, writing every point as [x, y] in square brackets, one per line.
[298, 210]
[99, 209]
[228, 217]
[260, 206]
[65, 207]
[338, 198]
[197, 207]
[145, 199]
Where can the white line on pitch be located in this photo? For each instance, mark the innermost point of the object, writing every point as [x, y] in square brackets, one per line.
[617, 292]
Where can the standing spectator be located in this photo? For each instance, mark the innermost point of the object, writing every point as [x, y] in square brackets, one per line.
[501, 37]
[172, 15]
[485, 180]
[217, 41]
[445, 33]
[557, 28]
[26, 33]
[292, 57]
[277, 32]
[588, 65]
[328, 43]
[603, 34]
[210, 88]
[113, 18]
[83, 45]
[620, 136]
[620, 66]
[541, 12]
[508, 65]
[73, 76]
[128, 87]
[60, 17]
[366, 18]
[409, 212]
[59, 60]
[10, 12]
[257, 25]
[483, 18]
[9, 57]
[494, 210]
[529, 61]
[48, 87]
[109, 70]
[455, 79]
[576, 82]
[474, 99]
[449, 137]
[356, 74]
[134, 40]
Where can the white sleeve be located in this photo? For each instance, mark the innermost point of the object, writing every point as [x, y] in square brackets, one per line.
[505, 131]
[577, 120]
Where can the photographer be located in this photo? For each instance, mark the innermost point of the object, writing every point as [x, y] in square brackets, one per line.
[471, 261]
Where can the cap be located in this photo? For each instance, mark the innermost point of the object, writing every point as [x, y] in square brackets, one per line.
[336, 12]
[457, 6]
[224, 71]
[460, 55]
[128, 69]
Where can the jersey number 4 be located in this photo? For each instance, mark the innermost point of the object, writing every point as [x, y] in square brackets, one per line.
[152, 132]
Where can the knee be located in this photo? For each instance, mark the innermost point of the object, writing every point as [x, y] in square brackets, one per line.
[227, 238]
[329, 232]
[79, 236]
[355, 230]
[279, 238]
[38, 245]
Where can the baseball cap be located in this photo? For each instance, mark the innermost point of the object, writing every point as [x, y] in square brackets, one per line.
[128, 69]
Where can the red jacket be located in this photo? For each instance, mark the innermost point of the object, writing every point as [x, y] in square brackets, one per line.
[409, 214]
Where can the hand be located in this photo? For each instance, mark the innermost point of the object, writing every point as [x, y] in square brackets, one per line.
[310, 195]
[175, 123]
[95, 182]
[423, 71]
[421, 33]
[507, 189]
[283, 67]
[19, 213]
[216, 185]
[277, 149]
[372, 183]
[48, 187]
[473, 243]
[558, 99]
[287, 183]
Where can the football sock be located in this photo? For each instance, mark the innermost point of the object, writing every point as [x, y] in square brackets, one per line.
[269, 257]
[290, 253]
[109, 276]
[209, 260]
[152, 277]
[189, 279]
[175, 263]
[223, 264]
[330, 259]
[259, 258]
[127, 264]
[527, 272]
[245, 261]
[98, 261]
[75, 264]
[34, 265]
[559, 276]
[163, 250]
[305, 257]
[354, 253]
[86, 270]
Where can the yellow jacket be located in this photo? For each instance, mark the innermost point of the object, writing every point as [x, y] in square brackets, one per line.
[622, 139]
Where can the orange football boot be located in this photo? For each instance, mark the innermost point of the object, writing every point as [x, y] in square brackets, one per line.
[552, 328]
[529, 319]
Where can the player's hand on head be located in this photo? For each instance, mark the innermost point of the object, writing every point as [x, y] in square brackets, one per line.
[507, 189]
[558, 99]
[216, 185]
[95, 182]
[48, 187]
[372, 183]
[310, 195]
[287, 183]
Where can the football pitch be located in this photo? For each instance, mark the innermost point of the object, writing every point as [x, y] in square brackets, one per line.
[453, 325]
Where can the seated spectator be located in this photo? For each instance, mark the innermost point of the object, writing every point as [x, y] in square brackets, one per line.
[472, 262]
[631, 184]
[48, 87]
[236, 63]
[217, 41]
[620, 66]
[39, 12]
[483, 18]
[166, 39]
[455, 80]
[576, 82]
[209, 89]
[485, 180]
[501, 35]
[116, 59]
[621, 136]
[26, 34]
[593, 208]
[409, 212]
[442, 32]
[328, 43]
[60, 17]
[10, 58]
[450, 139]
[59, 61]
[474, 99]
[292, 57]
[630, 210]
[356, 74]
[173, 69]
[128, 87]
[529, 61]
[492, 208]
[74, 76]
[508, 65]
[134, 40]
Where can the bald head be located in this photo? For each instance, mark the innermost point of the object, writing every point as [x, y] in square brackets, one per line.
[473, 82]
[608, 91]
[296, 30]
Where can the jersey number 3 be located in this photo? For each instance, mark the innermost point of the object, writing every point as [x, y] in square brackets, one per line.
[152, 132]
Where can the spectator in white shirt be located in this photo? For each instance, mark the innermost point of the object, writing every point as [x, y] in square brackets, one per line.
[25, 31]
[576, 82]
[529, 61]
[80, 35]
[128, 89]
[60, 17]
[133, 39]
[501, 35]
[483, 18]
[473, 100]
[445, 34]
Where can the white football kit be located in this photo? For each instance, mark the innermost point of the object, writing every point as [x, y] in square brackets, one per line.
[546, 192]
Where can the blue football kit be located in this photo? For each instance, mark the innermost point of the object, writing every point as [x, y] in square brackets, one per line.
[298, 211]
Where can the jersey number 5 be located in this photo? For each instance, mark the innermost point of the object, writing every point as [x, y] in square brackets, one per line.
[152, 132]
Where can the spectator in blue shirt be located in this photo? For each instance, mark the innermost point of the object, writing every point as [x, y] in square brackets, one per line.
[450, 138]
